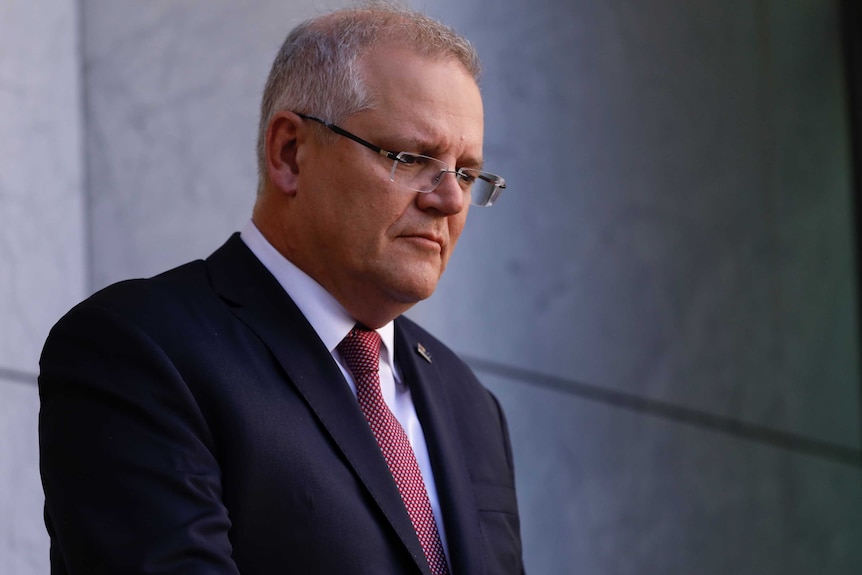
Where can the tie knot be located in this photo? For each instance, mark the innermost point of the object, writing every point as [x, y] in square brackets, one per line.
[361, 351]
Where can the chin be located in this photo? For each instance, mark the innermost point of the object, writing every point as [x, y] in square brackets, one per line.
[414, 291]
[413, 296]
[410, 284]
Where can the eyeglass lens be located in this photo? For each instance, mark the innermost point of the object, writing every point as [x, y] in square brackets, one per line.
[424, 174]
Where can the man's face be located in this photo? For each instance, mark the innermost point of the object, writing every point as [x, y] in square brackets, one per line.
[370, 241]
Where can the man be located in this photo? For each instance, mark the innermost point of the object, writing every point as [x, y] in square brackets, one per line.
[268, 410]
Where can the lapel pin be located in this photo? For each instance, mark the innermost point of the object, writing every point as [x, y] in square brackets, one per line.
[426, 355]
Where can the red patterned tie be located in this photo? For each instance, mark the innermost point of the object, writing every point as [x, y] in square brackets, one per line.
[361, 351]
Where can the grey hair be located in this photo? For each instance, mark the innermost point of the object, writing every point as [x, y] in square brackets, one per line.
[317, 70]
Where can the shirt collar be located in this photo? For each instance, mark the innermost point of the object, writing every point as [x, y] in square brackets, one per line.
[329, 319]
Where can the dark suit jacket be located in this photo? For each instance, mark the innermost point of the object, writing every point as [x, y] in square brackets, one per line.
[194, 423]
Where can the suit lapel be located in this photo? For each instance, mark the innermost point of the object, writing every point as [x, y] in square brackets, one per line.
[259, 301]
[428, 389]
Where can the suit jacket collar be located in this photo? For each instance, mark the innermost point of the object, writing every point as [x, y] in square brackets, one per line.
[325, 314]
[433, 406]
[260, 302]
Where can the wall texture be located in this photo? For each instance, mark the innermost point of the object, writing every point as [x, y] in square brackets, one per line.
[43, 242]
[663, 299]
[675, 251]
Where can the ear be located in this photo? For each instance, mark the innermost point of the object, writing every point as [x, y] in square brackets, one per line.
[281, 146]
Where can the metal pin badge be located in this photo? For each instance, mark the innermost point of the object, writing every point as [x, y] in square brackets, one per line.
[426, 355]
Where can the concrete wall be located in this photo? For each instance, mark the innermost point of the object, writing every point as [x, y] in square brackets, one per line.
[664, 298]
[675, 249]
[42, 243]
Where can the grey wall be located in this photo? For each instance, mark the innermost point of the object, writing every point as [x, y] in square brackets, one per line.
[42, 243]
[678, 228]
[663, 300]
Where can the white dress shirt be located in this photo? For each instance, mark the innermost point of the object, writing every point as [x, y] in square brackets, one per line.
[332, 323]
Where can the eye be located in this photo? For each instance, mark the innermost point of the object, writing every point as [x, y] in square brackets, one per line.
[466, 177]
[414, 160]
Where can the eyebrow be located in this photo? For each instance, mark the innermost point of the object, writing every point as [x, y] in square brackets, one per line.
[419, 145]
[474, 163]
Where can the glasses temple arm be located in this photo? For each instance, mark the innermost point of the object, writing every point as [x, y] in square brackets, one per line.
[354, 137]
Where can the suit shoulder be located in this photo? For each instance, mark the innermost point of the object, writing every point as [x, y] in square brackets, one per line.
[176, 280]
[173, 293]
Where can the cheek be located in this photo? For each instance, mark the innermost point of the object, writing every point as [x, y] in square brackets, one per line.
[456, 226]
[366, 228]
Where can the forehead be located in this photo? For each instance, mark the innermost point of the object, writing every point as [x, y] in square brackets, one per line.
[430, 101]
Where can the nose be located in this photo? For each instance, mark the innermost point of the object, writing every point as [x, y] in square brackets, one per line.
[447, 197]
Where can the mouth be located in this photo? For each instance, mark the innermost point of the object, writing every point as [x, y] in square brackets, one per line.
[427, 241]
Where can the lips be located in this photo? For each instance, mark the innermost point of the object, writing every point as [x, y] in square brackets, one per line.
[430, 237]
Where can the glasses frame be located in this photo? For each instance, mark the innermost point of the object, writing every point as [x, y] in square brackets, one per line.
[496, 181]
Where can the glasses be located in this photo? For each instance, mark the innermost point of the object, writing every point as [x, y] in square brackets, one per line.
[424, 173]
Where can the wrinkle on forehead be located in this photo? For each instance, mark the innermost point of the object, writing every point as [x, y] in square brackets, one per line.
[422, 105]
